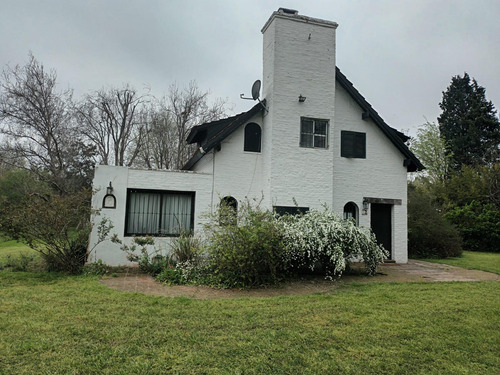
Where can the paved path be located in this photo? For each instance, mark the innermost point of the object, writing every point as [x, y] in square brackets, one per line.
[414, 271]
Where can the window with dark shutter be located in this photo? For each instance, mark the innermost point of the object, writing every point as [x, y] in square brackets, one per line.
[352, 144]
[252, 137]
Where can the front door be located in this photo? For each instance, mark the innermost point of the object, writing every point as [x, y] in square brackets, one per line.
[382, 225]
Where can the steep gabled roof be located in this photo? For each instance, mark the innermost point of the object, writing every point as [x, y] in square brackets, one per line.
[396, 137]
[210, 134]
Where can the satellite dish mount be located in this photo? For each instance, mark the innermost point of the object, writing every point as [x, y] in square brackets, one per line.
[255, 93]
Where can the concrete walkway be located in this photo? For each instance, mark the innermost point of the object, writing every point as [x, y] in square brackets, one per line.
[414, 271]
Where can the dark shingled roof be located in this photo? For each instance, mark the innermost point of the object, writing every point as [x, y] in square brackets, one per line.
[210, 134]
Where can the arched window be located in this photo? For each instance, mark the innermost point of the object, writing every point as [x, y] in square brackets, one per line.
[351, 212]
[252, 137]
[228, 211]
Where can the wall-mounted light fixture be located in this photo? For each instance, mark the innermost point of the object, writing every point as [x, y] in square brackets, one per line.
[109, 200]
[302, 99]
[365, 207]
[109, 189]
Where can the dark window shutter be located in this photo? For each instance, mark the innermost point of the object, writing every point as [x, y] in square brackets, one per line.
[352, 144]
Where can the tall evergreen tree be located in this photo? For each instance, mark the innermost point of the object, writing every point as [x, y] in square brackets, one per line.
[468, 124]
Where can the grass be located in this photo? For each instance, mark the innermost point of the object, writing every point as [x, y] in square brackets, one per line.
[475, 260]
[52, 323]
[13, 249]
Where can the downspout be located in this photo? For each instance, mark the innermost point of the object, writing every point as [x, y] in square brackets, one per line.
[213, 182]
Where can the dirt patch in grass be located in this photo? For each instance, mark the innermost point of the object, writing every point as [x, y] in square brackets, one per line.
[414, 271]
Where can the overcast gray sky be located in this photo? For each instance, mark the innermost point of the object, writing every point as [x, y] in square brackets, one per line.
[400, 54]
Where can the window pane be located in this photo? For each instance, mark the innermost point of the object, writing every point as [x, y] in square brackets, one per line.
[306, 140]
[307, 126]
[320, 141]
[320, 127]
[143, 213]
[176, 213]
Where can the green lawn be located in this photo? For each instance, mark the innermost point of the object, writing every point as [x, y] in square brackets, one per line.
[475, 260]
[52, 324]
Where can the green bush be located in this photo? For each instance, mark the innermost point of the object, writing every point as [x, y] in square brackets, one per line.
[56, 226]
[430, 235]
[247, 251]
[186, 247]
[98, 268]
[150, 262]
[479, 226]
[171, 275]
[21, 263]
[321, 239]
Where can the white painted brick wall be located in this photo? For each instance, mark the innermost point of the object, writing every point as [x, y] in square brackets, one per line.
[237, 173]
[299, 59]
[380, 175]
[123, 178]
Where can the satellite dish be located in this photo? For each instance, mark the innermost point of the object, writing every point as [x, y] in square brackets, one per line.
[256, 90]
[255, 94]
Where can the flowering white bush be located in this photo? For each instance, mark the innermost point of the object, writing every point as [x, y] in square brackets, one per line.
[322, 238]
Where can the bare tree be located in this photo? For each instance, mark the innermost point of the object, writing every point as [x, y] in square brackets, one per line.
[169, 123]
[36, 121]
[159, 148]
[113, 120]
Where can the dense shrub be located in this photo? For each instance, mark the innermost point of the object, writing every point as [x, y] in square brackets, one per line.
[429, 234]
[56, 226]
[478, 224]
[322, 239]
[247, 251]
[257, 248]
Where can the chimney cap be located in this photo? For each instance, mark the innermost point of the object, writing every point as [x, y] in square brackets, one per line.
[288, 11]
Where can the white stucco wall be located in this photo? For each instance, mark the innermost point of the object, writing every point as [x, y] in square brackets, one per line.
[123, 178]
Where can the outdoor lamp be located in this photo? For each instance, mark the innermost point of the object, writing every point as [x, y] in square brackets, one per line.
[109, 200]
[365, 207]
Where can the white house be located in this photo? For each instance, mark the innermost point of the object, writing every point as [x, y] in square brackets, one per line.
[313, 140]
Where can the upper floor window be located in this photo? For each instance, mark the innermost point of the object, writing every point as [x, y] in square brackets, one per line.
[313, 133]
[252, 137]
[159, 213]
[352, 144]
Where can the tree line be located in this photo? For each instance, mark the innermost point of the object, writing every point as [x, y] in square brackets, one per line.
[455, 202]
[47, 132]
[50, 143]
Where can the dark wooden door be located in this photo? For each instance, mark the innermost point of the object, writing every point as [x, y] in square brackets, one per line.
[382, 225]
